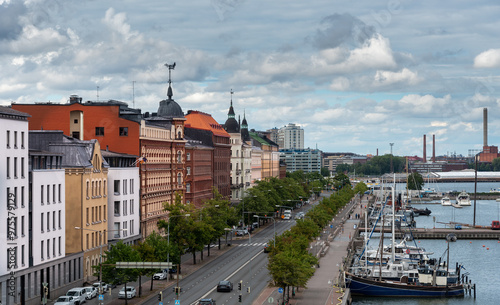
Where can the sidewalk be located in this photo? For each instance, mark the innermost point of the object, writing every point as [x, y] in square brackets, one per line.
[322, 287]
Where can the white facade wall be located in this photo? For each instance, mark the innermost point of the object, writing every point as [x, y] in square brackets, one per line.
[48, 215]
[247, 166]
[13, 180]
[123, 203]
[291, 137]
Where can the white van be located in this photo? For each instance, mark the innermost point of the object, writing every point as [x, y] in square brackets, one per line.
[79, 295]
[287, 215]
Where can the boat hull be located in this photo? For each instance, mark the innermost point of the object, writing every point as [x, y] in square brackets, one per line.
[369, 287]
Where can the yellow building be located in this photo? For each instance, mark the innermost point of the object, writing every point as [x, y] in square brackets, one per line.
[86, 201]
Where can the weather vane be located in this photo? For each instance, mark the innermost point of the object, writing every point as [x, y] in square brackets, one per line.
[170, 68]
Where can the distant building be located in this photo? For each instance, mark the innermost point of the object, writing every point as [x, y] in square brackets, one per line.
[307, 160]
[332, 160]
[290, 136]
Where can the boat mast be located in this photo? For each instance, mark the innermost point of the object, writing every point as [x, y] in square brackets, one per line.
[393, 219]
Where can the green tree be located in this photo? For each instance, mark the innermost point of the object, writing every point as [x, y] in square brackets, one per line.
[415, 181]
[120, 252]
[360, 188]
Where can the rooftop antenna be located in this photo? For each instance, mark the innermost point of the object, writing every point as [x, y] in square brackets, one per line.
[133, 94]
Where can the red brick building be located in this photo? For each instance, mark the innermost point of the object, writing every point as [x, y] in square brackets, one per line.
[220, 140]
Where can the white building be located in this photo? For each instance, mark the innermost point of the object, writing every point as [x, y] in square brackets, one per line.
[124, 204]
[14, 208]
[307, 160]
[291, 136]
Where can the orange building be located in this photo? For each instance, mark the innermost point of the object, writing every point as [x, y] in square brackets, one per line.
[112, 123]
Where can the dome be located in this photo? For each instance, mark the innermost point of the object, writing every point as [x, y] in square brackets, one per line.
[231, 126]
[170, 108]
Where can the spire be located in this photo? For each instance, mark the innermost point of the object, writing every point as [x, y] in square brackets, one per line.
[231, 114]
[169, 91]
[231, 125]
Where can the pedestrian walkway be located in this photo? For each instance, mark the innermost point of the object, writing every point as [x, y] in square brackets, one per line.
[323, 287]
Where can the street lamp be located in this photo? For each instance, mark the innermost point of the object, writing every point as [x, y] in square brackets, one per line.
[100, 250]
[168, 242]
[274, 227]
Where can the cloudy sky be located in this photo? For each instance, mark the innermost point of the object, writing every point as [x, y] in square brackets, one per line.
[356, 75]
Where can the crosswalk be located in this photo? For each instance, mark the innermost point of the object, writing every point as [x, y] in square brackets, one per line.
[252, 245]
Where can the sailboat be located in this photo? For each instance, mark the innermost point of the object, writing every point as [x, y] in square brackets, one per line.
[424, 281]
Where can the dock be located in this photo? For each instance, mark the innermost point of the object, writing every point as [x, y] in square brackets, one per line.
[441, 233]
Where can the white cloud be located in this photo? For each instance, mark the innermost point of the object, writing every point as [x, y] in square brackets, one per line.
[488, 59]
[405, 77]
[340, 84]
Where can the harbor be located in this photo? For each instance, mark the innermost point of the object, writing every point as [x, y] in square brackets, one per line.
[478, 240]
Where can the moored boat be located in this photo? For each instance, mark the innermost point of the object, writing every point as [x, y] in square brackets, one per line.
[463, 199]
[446, 201]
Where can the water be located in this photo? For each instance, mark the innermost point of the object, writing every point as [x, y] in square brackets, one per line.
[481, 258]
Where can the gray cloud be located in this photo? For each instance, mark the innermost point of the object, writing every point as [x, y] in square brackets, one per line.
[10, 26]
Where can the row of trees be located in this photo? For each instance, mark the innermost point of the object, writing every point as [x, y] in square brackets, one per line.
[376, 166]
[290, 263]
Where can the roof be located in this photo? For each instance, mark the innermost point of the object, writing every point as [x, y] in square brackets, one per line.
[7, 112]
[202, 120]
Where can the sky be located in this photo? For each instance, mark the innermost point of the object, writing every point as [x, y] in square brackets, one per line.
[355, 75]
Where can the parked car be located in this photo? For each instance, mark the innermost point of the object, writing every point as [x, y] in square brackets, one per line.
[241, 232]
[131, 292]
[65, 300]
[79, 295]
[299, 215]
[91, 292]
[207, 302]
[255, 225]
[225, 286]
[160, 275]
[104, 286]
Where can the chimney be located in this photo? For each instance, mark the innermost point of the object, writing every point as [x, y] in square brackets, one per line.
[433, 148]
[377, 151]
[485, 126]
[425, 154]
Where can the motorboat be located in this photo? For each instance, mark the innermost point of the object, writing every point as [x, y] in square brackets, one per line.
[445, 201]
[463, 199]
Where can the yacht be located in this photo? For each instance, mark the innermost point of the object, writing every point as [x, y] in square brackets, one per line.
[445, 200]
[463, 199]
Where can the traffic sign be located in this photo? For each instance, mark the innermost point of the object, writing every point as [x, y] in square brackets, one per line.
[177, 302]
[161, 303]
[101, 297]
[280, 290]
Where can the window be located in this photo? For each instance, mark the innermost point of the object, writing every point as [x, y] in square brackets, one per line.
[59, 245]
[117, 208]
[87, 217]
[41, 222]
[54, 247]
[22, 225]
[116, 229]
[22, 167]
[59, 193]
[188, 170]
[131, 206]
[87, 240]
[48, 220]
[22, 255]
[99, 131]
[116, 187]
[188, 188]
[48, 195]
[123, 131]
[22, 196]
[54, 220]
[22, 139]
[179, 180]
[59, 220]
[124, 207]
[93, 215]
[48, 248]
[132, 227]
[41, 250]
[15, 139]
[124, 186]
[8, 139]
[100, 214]
[131, 186]
[104, 189]
[88, 188]
[104, 213]
[53, 193]
[188, 156]
[8, 167]
[179, 157]
[124, 229]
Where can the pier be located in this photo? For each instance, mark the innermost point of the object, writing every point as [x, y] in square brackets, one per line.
[441, 233]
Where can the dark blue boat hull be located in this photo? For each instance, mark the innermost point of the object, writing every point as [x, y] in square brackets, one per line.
[369, 287]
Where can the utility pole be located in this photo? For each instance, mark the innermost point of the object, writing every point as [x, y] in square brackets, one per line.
[392, 167]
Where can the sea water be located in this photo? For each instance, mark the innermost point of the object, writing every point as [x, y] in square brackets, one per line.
[480, 258]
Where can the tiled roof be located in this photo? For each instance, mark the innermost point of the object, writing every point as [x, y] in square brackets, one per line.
[201, 120]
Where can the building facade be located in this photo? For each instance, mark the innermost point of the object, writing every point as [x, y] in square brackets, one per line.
[306, 160]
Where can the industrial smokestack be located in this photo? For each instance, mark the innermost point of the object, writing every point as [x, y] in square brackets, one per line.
[485, 126]
[433, 148]
[425, 153]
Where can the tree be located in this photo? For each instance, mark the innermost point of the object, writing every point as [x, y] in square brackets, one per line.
[119, 252]
[325, 172]
[415, 181]
[360, 188]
